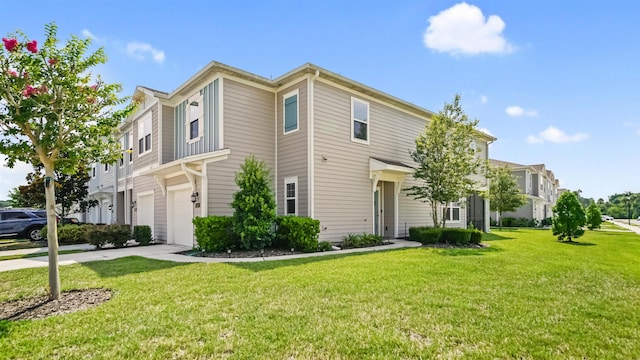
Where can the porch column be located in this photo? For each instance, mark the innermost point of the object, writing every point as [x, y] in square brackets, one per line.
[487, 215]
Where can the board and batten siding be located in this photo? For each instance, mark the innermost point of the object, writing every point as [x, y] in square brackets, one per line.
[343, 188]
[168, 131]
[209, 141]
[144, 184]
[147, 159]
[293, 150]
[248, 125]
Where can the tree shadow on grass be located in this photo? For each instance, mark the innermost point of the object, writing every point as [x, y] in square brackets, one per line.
[577, 243]
[129, 265]
[275, 264]
[466, 251]
[494, 237]
[5, 328]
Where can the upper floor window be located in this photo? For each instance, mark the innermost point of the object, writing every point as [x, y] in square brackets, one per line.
[195, 117]
[106, 167]
[359, 121]
[130, 148]
[529, 182]
[290, 196]
[123, 151]
[452, 212]
[290, 105]
[144, 134]
[93, 171]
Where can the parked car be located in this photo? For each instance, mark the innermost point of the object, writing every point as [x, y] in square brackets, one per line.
[70, 221]
[607, 218]
[22, 223]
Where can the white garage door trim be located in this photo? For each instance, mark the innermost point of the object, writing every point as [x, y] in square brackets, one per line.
[174, 214]
[146, 202]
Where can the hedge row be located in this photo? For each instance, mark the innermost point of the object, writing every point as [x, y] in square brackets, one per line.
[521, 222]
[100, 235]
[452, 236]
[351, 241]
[215, 233]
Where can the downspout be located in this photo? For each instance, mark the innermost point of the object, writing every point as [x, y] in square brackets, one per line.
[311, 145]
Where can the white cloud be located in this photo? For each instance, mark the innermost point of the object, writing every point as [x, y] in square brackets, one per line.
[484, 99]
[555, 135]
[463, 29]
[518, 111]
[485, 130]
[10, 178]
[140, 51]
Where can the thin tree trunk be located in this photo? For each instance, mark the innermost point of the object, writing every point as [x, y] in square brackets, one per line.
[52, 233]
[434, 214]
[500, 220]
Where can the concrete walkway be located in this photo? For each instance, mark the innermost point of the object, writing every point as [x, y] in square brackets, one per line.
[625, 224]
[168, 252]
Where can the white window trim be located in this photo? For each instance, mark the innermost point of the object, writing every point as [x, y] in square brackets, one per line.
[187, 123]
[142, 119]
[353, 138]
[450, 206]
[296, 93]
[290, 180]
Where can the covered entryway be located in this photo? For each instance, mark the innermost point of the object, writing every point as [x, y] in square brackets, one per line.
[145, 210]
[388, 177]
[179, 215]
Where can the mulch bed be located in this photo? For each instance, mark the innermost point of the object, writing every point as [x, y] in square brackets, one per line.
[241, 253]
[40, 307]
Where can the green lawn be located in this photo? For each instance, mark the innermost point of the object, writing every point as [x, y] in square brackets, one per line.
[526, 296]
[16, 244]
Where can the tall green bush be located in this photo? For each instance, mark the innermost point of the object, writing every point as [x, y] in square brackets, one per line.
[454, 236]
[142, 234]
[254, 205]
[594, 216]
[568, 217]
[425, 235]
[214, 233]
[300, 233]
[68, 234]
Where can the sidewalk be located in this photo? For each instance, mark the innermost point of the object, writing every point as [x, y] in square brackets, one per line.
[625, 225]
[46, 249]
[168, 252]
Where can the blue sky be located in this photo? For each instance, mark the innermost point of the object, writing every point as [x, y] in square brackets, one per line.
[557, 82]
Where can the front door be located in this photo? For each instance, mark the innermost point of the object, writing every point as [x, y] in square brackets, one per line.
[377, 211]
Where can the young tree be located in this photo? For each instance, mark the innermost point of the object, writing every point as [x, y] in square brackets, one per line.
[504, 194]
[594, 216]
[254, 205]
[445, 159]
[568, 217]
[54, 114]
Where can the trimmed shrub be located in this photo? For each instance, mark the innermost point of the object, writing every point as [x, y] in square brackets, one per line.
[114, 234]
[476, 237]
[325, 246]
[300, 233]
[350, 241]
[214, 233]
[425, 235]
[68, 234]
[142, 234]
[454, 236]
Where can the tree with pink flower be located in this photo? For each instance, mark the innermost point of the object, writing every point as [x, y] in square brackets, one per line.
[55, 114]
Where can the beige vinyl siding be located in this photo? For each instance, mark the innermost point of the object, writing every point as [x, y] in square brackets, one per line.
[293, 151]
[167, 134]
[209, 123]
[146, 183]
[248, 124]
[343, 189]
[150, 158]
[521, 178]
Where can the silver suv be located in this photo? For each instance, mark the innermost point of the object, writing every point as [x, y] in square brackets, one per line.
[24, 223]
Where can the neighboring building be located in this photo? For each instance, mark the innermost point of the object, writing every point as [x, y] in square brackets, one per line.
[539, 186]
[338, 152]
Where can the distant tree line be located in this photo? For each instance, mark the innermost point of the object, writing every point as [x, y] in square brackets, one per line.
[618, 205]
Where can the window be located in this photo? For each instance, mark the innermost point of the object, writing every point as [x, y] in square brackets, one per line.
[290, 196]
[106, 167]
[290, 104]
[452, 212]
[122, 149]
[130, 148]
[93, 171]
[529, 181]
[194, 118]
[144, 134]
[359, 121]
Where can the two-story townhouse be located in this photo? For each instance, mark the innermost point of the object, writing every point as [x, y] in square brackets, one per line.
[338, 151]
[539, 186]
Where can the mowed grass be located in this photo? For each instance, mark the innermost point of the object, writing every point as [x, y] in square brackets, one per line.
[38, 254]
[527, 296]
